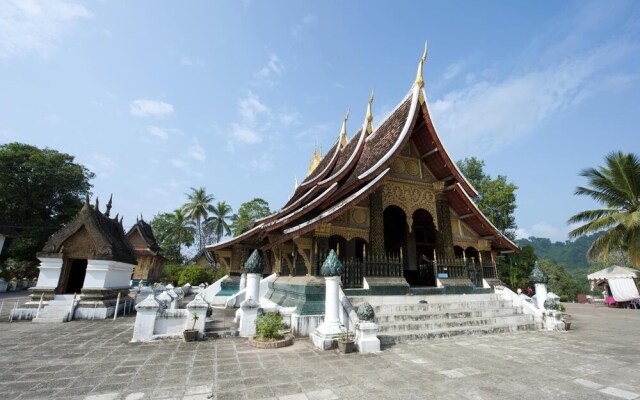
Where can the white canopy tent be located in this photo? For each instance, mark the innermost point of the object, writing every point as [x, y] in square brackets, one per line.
[621, 281]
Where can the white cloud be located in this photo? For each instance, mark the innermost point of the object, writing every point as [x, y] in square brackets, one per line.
[36, 26]
[145, 108]
[298, 29]
[489, 115]
[178, 163]
[191, 62]
[251, 107]
[102, 165]
[546, 230]
[245, 134]
[157, 132]
[273, 66]
[288, 118]
[197, 152]
[453, 70]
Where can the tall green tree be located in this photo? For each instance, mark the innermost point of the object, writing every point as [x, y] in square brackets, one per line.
[174, 231]
[496, 196]
[515, 268]
[197, 208]
[217, 225]
[248, 213]
[616, 186]
[40, 190]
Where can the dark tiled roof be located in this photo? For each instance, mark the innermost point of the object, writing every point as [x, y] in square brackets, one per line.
[107, 234]
[146, 232]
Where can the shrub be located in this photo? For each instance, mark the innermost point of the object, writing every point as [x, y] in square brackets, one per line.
[171, 273]
[564, 298]
[195, 275]
[268, 326]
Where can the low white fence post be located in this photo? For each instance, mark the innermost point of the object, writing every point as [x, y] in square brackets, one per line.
[115, 314]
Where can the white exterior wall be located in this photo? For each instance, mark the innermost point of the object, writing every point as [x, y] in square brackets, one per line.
[105, 274]
[2, 237]
[50, 269]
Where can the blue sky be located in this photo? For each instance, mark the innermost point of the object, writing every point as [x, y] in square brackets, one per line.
[156, 97]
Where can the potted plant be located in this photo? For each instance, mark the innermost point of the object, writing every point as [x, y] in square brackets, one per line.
[191, 335]
[346, 342]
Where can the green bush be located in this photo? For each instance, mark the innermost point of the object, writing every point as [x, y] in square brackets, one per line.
[564, 298]
[171, 273]
[195, 275]
[268, 326]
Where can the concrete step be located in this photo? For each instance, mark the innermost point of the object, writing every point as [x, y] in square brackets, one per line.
[55, 311]
[449, 314]
[392, 309]
[387, 339]
[438, 324]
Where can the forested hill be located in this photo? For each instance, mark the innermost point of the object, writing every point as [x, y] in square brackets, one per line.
[573, 254]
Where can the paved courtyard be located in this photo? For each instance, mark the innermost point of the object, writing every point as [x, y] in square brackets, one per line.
[598, 359]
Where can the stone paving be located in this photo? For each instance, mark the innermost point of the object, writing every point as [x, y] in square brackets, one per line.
[598, 359]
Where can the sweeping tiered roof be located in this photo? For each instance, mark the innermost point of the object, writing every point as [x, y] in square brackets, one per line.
[106, 236]
[350, 172]
[145, 233]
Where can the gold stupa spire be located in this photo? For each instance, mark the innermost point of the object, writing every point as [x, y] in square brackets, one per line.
[343, 131]
[315, 160]
[369, 116]
[419, 80]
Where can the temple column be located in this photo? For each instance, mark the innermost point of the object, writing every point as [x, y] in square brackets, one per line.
[444, 243]
[376, 227]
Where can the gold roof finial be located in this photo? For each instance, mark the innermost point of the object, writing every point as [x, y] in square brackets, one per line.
[369, 116]
[343, 131]
[419, 80]
[315, 160]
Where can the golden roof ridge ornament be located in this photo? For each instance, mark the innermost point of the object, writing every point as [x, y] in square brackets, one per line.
[315, 160]
[369, 116]
[419, 80]
[343, 130]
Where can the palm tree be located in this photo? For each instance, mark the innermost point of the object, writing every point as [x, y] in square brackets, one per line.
[617, 187]
[173, 230]
[217, 225]
[197, 209]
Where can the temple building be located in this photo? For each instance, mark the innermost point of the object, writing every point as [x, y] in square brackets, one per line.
[390, 201]
[148, 254]
[400, 217]
[84, 268]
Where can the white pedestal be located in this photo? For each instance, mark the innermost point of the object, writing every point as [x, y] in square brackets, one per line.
[49, 272]
[145, 320]
[325, 336]
[541, 295]
[366, 337]
[199, 307]
[248, 313]
[253, 287]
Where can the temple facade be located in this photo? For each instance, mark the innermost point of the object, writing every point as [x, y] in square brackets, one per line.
[85, 268]
[392, 204]
[148, 254]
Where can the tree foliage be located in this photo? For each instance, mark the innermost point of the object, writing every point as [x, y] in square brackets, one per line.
[173, 231]
[563, 282]
[514, 269]
[195, 275]
[248, 213]
[571, 253]
[496, 196]
[197, 208]
[40, 190]
[616, 186]
[217, 226]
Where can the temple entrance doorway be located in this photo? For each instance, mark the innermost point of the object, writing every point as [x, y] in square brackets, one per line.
[424, 231]
[73, 274]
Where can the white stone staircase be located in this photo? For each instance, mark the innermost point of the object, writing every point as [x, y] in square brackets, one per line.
[405, 318]
[56, 311]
